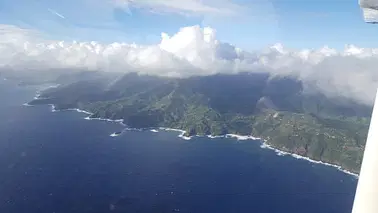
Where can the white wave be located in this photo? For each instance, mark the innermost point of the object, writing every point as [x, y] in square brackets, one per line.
[53, 108]
[26, 104]
[181, 135]
[215, 136]
[37, 96]
[134, 129]
[120, 121]
[170, 129]
[185, 137]
[264, 145]
[238, 137]
[82, 111]
[154, 130]
[115, 134]
[242, 137]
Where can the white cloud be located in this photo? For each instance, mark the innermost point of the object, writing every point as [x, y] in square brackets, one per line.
[196, 51]
[188, 7]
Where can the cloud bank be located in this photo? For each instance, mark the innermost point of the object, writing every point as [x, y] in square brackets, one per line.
[194, 51]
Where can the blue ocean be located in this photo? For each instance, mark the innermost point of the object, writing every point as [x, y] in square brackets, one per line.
[58, 162]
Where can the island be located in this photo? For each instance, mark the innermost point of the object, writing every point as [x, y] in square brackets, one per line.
[278, 109]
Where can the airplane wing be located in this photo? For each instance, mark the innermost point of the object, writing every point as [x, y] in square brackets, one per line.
[369, 10]
[366, 198]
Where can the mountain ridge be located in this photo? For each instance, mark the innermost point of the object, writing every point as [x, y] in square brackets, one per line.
[270, 107]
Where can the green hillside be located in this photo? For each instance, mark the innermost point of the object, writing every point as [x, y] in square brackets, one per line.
[277, 109]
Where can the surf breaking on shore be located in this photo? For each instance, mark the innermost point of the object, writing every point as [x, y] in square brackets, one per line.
[263, 145]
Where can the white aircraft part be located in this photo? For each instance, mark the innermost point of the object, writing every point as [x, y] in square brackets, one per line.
[370, 10]
[366, 198]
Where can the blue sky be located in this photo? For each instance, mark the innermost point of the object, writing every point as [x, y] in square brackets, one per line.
[248, 24]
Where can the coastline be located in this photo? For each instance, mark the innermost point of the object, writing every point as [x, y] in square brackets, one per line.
[264, 143]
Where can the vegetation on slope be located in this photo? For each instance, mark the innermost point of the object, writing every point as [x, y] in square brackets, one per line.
[274, 108]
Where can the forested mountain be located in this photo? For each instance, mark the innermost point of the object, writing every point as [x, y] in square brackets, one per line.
[274, 108]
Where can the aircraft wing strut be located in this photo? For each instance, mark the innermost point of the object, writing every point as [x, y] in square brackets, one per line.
[366, 198]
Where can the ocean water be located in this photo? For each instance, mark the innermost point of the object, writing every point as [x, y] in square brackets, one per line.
[61, 163]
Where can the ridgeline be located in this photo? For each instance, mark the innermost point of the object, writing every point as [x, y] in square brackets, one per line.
[277, 109]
